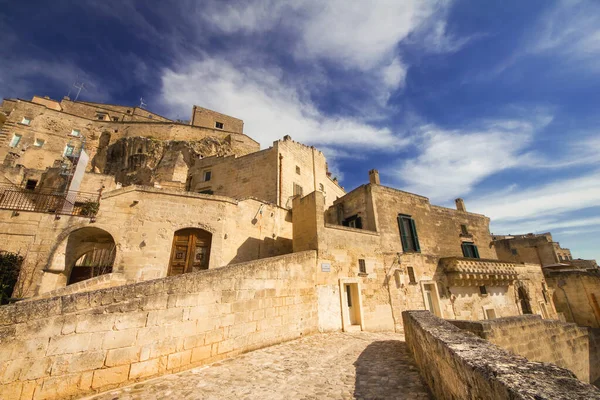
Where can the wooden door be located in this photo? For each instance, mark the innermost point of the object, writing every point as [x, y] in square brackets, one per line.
[190, 251]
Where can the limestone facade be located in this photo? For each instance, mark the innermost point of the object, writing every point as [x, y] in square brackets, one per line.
[206, 196]
[531, 248]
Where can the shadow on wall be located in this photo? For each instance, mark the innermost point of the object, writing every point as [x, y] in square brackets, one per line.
[386, 370]
[594, 356]
[253, 249]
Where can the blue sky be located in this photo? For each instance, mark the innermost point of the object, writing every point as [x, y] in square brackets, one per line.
[494, 101]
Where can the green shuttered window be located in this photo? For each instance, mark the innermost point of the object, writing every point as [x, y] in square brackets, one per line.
[408, 234]
[470, 250]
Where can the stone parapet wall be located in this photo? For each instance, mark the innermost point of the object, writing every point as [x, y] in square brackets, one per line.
[459, 365]
[69, 346]
[95, 283]
[537, 339]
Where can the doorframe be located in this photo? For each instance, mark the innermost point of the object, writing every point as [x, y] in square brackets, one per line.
[343, 302]
[437, 298]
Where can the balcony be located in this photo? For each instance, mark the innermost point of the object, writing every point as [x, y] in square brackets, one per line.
[478, 272]
[59, 203]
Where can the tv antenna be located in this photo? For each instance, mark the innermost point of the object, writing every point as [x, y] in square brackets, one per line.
[78, 86]
[142, 103]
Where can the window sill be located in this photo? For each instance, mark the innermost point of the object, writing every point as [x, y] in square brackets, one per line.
[484, 295]
[363, 274]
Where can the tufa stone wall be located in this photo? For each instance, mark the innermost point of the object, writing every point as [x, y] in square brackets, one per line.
[208, 119]
[69, 346]
[576, 295]
[536, 339]
[459, 365]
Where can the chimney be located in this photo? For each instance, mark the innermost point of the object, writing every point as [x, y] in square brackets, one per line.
[374, 177]
[460, 204]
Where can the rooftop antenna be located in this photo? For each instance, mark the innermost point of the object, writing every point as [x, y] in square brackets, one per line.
[78, 86]
[142, 103]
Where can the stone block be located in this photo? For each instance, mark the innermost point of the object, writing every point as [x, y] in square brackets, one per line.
[194, 341]
[79, 362]
[178, 360]
[165, 317]
[110, 376]
[116, 339]
[69, 344]
[131, 320]
[12, 391]
[94, 322]
[121, 356]
[144, 369]
[214, 336]
[201, 353]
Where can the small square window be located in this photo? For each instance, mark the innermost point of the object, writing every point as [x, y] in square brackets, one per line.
[207, 176]
[31, 184]
[514, 252]
[483, 290]
[128, 111]
[297, 190]
[298, 170]
[470, 250]
[75, 132]
[15, 140]
[39, 142]
[68, 150]
[116, 119]
[219, 125]
[411, 275]
[26, 121]
[464, 230]
[362, 268]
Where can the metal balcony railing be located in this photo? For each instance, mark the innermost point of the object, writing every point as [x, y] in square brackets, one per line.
[46, 201]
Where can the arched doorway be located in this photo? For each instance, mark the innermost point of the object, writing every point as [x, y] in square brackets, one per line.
[90, 252]
[524, 300]
[190, 251]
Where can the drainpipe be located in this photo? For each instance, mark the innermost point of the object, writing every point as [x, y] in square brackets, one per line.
[314, 170]
[280, 179]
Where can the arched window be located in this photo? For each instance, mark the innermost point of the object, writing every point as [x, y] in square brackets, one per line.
[90, 252]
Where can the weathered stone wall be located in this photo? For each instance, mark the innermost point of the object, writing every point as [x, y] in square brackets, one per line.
[534, 249]
[459, 365]
[536, 339]
[269, 175]
[253, 175]
[69, 346]
[576, 296]
[142, 222]
[123, 113]
[208, 119]
[54, 127]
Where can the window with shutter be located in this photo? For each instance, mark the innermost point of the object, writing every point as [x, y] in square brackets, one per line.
[470, 250]
[408, 234]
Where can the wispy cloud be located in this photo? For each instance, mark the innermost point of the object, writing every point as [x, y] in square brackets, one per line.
[451, 162]
[549, 200]
[270, 108]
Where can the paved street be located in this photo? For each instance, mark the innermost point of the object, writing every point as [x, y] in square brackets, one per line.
[328, 366]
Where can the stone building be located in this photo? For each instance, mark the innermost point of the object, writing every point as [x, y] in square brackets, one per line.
[99, 195]
[531, 248]
[152, 246]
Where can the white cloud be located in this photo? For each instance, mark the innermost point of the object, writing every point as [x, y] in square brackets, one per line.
[560, 196]
[352, 35]
[269, 107]
[451, 162]
[571, 30]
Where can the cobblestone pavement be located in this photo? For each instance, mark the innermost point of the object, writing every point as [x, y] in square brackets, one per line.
[325, 366]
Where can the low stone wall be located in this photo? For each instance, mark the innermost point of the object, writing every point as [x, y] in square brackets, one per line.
[537, 339]
[69, 346]
[96, 283]
[459, 365]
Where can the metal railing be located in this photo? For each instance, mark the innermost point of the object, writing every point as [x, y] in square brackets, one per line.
[48, 201]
